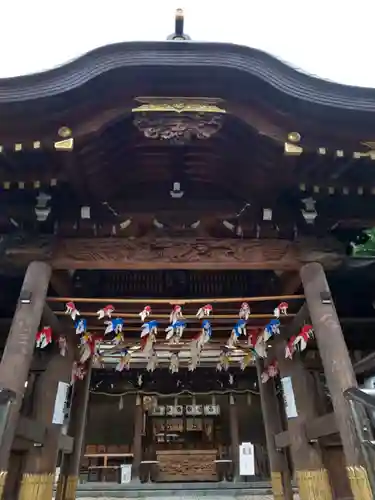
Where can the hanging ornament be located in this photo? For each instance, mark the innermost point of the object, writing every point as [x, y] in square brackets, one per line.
[147, 344]
[303, 337]
[115, 325]
[223, 363]
[256, 342]
[124, 362]
[72, 310]
[63, 345]
[204, 311]
[139, 380]
[270, 372]
[281, 310]
[231, 379]
[78, 372]
[97, 360]
[43, 338]
[238, 330]
[90, 346]
[244, 311]
[246, 360]
[198, 342]
[105, 312]
[87, 348]
[174, 363]
[175, 315]
[80, 326]
[175, 331]
[150, 327]
[145, 313]
[152, 361]
[290, 348]
[118, 339]
[271, 329]
[193, 363]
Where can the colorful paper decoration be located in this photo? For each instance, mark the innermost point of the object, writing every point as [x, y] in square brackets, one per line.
[150, 327]
[43, 338]
[81, 326]
[105, 312]
[204, 311]
[124, 363]
[281, 310]
[145, 313]
[244, 311]
[175, 331]
[175, 315]
[72, 310]
[238, 330]
[114, 325]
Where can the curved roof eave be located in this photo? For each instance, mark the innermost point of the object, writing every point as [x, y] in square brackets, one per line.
[189, 55]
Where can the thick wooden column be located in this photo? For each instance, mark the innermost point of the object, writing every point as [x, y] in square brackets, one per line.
[338, 370]
[69, 470]
[40, 462]
[310, 473]
[234, 437]
[280, 474]
[137, 439]
[18, 352]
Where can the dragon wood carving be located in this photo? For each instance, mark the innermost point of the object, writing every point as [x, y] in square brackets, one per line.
[180, 253]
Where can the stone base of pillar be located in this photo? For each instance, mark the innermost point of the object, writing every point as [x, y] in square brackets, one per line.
[66, 488]
[359, 483]
[314, 485]
[277, 486]
[36, 487]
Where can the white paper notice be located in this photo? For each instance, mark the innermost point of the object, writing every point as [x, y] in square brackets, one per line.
[289, 400]
[247, 459]
[60, 401]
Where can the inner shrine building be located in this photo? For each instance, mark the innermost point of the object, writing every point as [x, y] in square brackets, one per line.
[186, 275]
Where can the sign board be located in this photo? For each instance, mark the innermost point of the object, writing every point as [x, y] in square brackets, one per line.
[247, 459]
[60, 402]
[289, 399]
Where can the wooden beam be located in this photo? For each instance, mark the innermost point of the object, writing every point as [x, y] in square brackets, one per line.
[318, 428]
[66, 443]
[179, 253]
[365, 364]
[282, 440]
[30, 430]
[321, 426]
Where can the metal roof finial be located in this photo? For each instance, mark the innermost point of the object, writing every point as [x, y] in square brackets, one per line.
[179, 27]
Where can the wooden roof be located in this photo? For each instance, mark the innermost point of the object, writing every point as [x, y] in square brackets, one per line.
[260, 89]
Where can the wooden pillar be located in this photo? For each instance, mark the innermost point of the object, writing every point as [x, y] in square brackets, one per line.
[280, 474]
[40, 463]
[137, 439]
[310, 473]
[69, 470]
[234, 436]
[18, 352]
[338, 370]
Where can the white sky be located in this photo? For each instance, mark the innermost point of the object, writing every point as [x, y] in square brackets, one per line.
[332, 39]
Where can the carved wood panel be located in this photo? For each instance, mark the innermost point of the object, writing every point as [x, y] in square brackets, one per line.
[181, 253]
